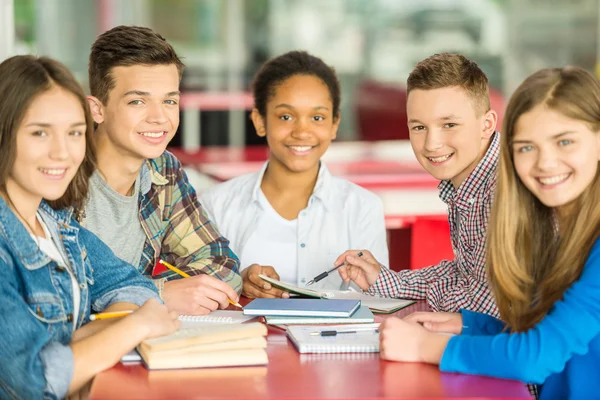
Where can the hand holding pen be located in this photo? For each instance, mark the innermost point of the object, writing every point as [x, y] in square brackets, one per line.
[325, 274]
[363, 271]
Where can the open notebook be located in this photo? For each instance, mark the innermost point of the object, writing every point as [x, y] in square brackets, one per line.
[191, 321]
[380, 305]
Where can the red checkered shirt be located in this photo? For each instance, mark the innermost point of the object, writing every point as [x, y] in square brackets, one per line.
[462, 282]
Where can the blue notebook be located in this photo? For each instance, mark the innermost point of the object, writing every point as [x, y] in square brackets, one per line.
[362, 316]
[302, 307]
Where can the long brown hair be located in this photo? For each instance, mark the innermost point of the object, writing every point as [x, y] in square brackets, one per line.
[22, 78]
[529, 265]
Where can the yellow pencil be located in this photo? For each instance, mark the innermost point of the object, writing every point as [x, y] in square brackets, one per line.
[107, 315]
[180, 272]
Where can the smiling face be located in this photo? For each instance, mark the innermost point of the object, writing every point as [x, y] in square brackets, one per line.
[446, 134]
[50, 147]
[556, 157]
[299, 124]
[142, 112]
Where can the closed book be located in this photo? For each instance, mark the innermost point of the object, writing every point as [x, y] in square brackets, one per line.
[362, 316]
[355, 339]
[207, 346]
[302, 307]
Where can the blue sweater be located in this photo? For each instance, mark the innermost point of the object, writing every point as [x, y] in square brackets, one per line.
[562, 352]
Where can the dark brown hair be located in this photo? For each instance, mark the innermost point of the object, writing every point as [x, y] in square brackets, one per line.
[22, 78]
[448, 70]
[280, 68]
[125, 46]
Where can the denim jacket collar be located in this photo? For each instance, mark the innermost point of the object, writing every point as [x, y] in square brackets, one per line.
[19, 239]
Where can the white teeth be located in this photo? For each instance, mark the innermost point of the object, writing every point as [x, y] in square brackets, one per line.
[152, 134]
[53, 171]
[553, 180]
[440, 159]
[301, 149]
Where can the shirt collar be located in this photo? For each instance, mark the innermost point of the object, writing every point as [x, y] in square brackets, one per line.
[149, 176]
[322, 190]
[477, 179]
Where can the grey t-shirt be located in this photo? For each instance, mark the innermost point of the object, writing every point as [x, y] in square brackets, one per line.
[114, 219]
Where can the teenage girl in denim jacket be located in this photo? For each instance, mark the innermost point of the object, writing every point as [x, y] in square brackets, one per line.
[54, 272]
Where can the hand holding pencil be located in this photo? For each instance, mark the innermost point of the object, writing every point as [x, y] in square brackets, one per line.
[197, 295]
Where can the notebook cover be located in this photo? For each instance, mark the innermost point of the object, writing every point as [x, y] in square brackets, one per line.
[302, 307]
[360, 342]
[362, 316]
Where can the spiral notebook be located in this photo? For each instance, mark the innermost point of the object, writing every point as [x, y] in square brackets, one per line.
[192, 321]
[215, 317]
[307, 339]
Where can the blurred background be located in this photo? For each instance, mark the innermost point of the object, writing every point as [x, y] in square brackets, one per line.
[373, 44]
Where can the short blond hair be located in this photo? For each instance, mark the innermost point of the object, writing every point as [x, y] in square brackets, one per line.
[448, 70]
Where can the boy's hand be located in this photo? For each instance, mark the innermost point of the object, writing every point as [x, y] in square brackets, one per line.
[156, 318]
[198, 295]
[438, 321]
[364, 271]
[409, 342]
[254, 286]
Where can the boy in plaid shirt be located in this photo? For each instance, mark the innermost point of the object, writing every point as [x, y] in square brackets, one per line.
[452, 132]
[141, 203]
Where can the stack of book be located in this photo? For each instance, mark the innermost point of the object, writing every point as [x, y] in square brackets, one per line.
[309, 311]
[207, 346]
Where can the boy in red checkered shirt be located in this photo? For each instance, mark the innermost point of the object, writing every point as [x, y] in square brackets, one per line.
[452, 132]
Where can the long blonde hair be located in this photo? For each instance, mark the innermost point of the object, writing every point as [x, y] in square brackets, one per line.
[529, 266]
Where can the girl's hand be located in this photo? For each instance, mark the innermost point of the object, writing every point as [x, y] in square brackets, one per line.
[254, 286]
[156, 318]
[438, 321]
[409, 342]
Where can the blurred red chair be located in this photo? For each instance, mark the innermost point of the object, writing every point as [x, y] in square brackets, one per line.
[381, 110]
[430, 242]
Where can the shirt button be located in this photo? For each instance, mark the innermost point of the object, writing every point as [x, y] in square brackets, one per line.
[303, 280]
[471, 200]
[82, 285]
[60, 268]
[70, 317]
[303, 245]
[39, 312]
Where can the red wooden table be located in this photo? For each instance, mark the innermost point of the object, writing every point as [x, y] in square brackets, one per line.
[290, 375]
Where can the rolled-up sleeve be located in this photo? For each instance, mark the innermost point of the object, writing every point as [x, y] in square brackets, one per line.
[58, 363]
[114, 280]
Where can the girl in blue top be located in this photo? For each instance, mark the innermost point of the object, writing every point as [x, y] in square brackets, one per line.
[544, 253]
[54, 272]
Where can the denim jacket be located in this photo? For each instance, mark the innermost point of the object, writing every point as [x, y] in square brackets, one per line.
[36, 300]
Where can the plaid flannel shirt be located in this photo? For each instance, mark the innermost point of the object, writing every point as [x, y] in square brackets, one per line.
[462, 282]
[177, 229]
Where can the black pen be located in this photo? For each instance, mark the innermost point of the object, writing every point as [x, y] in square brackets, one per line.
[335, 333]
[326, 273]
